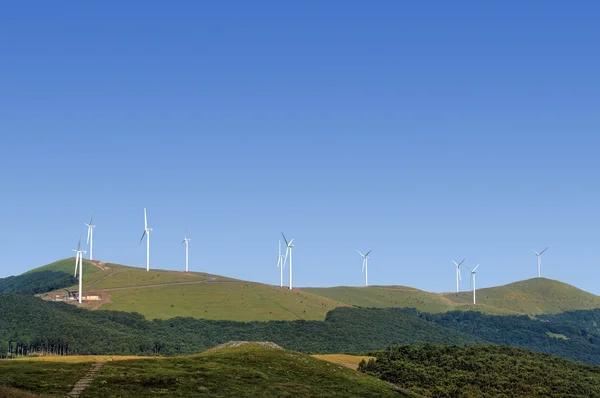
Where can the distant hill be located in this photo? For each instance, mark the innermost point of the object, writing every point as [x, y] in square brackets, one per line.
[531, 296]
[236, 369]
[165, 294]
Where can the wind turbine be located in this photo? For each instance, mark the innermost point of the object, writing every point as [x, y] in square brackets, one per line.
[457, 266]
[280, 265]
[146, 232]
[473, 280]
[186, 240]
[539, 258]
[79, 261]
[90, 235]
[289, 247]
[365, 265]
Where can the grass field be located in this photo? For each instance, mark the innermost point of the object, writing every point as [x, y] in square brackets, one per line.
[235, 301]
[41, 377]
[231, 370]
[386, 296]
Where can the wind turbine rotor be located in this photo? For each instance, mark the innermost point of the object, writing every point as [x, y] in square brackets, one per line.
[142, 238]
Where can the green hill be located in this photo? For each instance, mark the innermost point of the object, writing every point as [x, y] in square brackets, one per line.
[531, 296]
[236, 369]
[165, 294]
[386, 297]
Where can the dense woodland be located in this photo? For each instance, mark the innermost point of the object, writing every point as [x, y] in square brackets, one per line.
[30, 325]
[482, 371]
[36, 282]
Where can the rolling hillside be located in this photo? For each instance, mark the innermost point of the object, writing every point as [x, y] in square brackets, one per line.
[531, 296]
[166, 294]
[235, 369]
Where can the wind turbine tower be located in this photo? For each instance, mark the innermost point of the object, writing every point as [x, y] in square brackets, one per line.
[79, 262]
[473, 271]
[365, 266]
[147, 234]
[289, 247]
[186, 240]
[539, 261]
[457, 266]
[90, 236]
[280, 265]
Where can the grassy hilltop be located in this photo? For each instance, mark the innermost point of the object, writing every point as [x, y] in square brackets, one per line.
[234, 369]
[164, 294]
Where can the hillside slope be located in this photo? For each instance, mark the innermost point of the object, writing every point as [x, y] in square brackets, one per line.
[531, 296]
[164, 294]
[236, 369]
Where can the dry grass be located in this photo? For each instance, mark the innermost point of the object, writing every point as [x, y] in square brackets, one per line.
[349, 361]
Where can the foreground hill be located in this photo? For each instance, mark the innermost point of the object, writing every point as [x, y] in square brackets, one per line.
[529, 297]
[490, 371]
[164, 294]
[233, 370]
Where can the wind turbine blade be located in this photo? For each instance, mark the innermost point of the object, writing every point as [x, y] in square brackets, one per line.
[79, 243]
[466, 268]
[455, 263]
[91, 218]
[366, 255]
[474, 269]
[543, 251]
[286, 256]
[363, 267]
[286, 241]
[142, 238]
[358, 251]
[459, 275]
[462, 261]
[89, 232]
[292, 241]
[536, 253]
[145, 219]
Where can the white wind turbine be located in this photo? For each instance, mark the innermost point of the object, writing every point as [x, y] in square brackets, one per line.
[539, 261]
[146, 233]
[280, 265]
[79, 262]
[90, 235]
[365, 265]
[289, 248]
[457, 266]
[186, 240]
[473, 280]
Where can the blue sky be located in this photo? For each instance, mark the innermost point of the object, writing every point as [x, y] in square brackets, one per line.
[427, 132]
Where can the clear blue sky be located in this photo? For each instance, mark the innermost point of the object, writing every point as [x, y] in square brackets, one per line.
[427, 132]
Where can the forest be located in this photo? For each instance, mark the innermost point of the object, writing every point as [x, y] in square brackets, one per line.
[29, 325]
[36, 282]
[482, 371]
